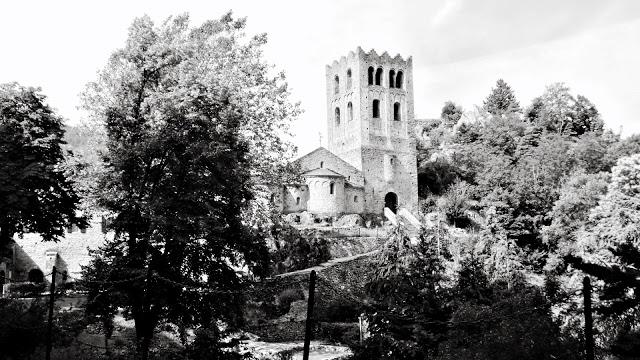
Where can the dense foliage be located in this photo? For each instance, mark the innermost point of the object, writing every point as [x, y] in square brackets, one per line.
[35, 193]
[544, 193]
[193, 122]
[295, 249]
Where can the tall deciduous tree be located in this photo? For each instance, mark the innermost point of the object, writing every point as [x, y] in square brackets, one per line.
[501, 100]
[193, 121]
[35, 194]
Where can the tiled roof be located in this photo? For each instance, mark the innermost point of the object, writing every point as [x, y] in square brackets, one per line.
[323, 172]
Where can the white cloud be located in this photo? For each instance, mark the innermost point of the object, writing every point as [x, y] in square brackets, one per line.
[449, 7]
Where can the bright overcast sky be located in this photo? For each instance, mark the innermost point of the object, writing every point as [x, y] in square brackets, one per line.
[459, 47]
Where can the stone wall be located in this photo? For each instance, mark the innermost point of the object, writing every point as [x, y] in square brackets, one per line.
[321, 201]
[69, 254]
[354, 199]
[295, 198]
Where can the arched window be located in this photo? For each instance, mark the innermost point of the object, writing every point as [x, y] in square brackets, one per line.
[379, 76]
[336, 84]
[348, 78]
[355, 199]
[337, 116]
[35, 276]
[399, 79]
[331, 185]
[321, 163]
[376, 108]
[396, 111]
[391, 160]
[65, 276]
[298, 201]
[349, 111]
[370, 73]
[392, 78]
[2, 280]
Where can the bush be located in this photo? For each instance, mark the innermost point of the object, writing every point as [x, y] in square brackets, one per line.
[455, 204]
[288, 296]
[345, 333]
[340, 312]
[22, 326]
[26, 289]
[297, 251]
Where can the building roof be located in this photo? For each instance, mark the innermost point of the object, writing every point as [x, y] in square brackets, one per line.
[311, 160]
[322, 172]
[72, 249]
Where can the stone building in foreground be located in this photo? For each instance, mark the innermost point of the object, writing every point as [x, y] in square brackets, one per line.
[370, 162]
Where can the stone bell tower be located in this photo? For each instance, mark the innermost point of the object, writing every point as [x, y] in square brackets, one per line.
[369, 120]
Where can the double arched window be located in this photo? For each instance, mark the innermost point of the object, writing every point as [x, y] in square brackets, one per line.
[376, 108]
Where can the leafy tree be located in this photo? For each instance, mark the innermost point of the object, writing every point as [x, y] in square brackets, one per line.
[535, 110]
[35, 194]
[493, 321]
[451, 114]
[22, 327]
[455, 203]
[86, 142]
[295, 250]
[435, 177]
[616, 219]
[102, 303]
[408, 310]
[501, 100]
[570, 212]
[559, 112]
[586, 117]
[193, 123]
[619, 295]
[592, 152]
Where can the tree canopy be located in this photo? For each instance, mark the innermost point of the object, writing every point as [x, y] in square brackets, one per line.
[194, 121]
[501, 100]
[35, 193]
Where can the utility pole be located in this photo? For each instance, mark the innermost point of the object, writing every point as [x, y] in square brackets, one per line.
[588, 320]
[52, 299]
[309, 322]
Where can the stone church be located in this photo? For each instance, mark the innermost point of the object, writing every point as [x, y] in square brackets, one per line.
[370, 162]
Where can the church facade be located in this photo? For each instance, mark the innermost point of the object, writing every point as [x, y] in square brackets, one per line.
[370, 162]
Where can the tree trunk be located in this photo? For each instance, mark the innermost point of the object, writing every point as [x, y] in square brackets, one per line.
[6, 237]
[144, 334]
[107, 352]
